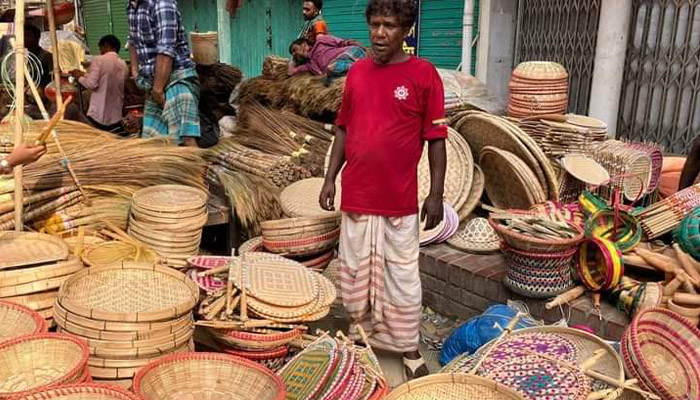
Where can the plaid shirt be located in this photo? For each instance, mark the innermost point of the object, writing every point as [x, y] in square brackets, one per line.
[155, 28]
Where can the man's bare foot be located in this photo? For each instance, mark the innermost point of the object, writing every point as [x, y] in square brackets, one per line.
[414, 365]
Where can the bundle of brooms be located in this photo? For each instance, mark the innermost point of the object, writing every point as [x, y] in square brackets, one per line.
[275, 67]
[103, 165]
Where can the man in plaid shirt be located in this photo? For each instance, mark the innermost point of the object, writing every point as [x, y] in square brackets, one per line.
[160, 61]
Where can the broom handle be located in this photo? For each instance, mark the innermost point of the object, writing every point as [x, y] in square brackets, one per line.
[54, 47]
[53, 122]
[20, 57]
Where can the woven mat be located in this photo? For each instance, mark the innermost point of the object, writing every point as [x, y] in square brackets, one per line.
[25, 249]
[170, 198]
[504, 183]
[475, 193]
[129, 293]
[278, 281]
[300, 199]
[476, 236]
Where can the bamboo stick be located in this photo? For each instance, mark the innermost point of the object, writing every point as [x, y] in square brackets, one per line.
[687, 264]
[509, 328]
[20, 56]
[53, 121]
[54, 53]
[567, 297]
[687, 299]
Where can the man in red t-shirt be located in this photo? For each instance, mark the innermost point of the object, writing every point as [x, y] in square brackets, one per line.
[393, 103]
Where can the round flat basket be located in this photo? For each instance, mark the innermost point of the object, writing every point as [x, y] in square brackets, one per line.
[207, 376]
[129, 292]
[109, 253]
[14, 277]
[540, 70]
[33, 287]
[17, 320]
[35, 301]
[20, 249]
[300, 199]
[252, 245]
[477, 236]
[83, 391]
[453, 387]
[40, 361]
[505, 184]
[278, 281]
[209, 262]
[289, 224]
[255, 341]
[475, 194]
[585, 169]
[170, 198]
[458, 174]
[303, 247]
[665, 351]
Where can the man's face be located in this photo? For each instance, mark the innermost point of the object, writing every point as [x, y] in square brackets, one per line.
[387, 36]
[310, 10]
[302, 51]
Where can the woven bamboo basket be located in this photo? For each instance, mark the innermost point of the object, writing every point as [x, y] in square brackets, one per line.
[129, 292]
[85, 391]
[41, 361]
[260, 340]
[270, 359]
[170, 198]
[17, 320]
[304, 247]
[292, 223]
[528, 243]
[207, 375]
[25, 249]
[453, 387]
[15, 277]
[35, 301]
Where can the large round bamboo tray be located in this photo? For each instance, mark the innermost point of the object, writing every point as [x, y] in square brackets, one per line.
[537, 191]
[40, 361]
[17, 320]
[255, 341]
[209, 376]
[505, 186]
[170, 198]
[664, 350]
[146, 213]
[540, 70]
[168, 219]
[15, 277]
[166, 340]
[129, 292]
[475, 194]
[278, 281]
[585, 169]
[453, 387]
[131, 363]
[458, 174]
[168, 236]
[252, 245]
[299, 233]
[109, 253]
[119, 327]
[289, 224]
[34, 287]
[20, 249]
[300, 199]
[186, 224]
[83, 391]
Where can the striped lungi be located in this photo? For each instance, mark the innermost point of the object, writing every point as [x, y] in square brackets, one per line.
[380, 279]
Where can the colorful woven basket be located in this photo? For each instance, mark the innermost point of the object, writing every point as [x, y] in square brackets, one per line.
[539, 275]
[272, 359]
[619, 227]
[255, 341]
[528, 243]
[663, 351]
[600, 264]
[688, 234]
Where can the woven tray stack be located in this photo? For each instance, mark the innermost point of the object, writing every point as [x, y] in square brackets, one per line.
[41, 361]
[666, 215]
[32, 268]
[517, 174]
[334, 369]
[308, 240]
[540, 249]
[661, 349]
[129, 314]
[538, 88]
[560, 135]
[169, 220]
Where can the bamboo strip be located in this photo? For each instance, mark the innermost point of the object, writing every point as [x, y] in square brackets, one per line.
[20, 57]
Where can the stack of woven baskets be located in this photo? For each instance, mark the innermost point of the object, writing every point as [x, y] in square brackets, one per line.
[661, 350]
[129, 314]
[264, 346]
[538, 88]
[207, 376]
[41, 361]
[333, 369]
[540, 264]
[169, 219]
[32, 268]
[517, 173]
[560, 135]
[308, 240]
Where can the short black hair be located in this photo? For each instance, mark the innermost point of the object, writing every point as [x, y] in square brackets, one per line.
[111, 41]
[317, 3]
[405, 10]
[33, 30]
[297, 43]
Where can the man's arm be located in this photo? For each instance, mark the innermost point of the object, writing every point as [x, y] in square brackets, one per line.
[164, 66]
[134, 61]
[327, 198]
[92, 80]
[433, 208]
[691, 167]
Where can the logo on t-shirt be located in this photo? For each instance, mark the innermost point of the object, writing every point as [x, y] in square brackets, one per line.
[401, 93]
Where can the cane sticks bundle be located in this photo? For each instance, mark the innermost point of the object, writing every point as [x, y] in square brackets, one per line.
[667, 214]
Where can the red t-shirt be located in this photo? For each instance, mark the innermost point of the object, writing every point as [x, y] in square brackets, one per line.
[388, 111]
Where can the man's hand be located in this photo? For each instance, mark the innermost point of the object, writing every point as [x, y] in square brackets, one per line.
[327, 197]
[76, 73]
[433, 212]
[190, 142]
[25, 154]
[158, 96]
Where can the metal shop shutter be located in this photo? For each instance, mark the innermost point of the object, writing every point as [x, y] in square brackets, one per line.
[441, 24]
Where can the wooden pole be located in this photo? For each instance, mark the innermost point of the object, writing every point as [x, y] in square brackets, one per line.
[20, 56]
[54, 52]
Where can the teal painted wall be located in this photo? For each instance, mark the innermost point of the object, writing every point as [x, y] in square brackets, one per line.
[105, 17]
[440, 29]
[198, 15]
